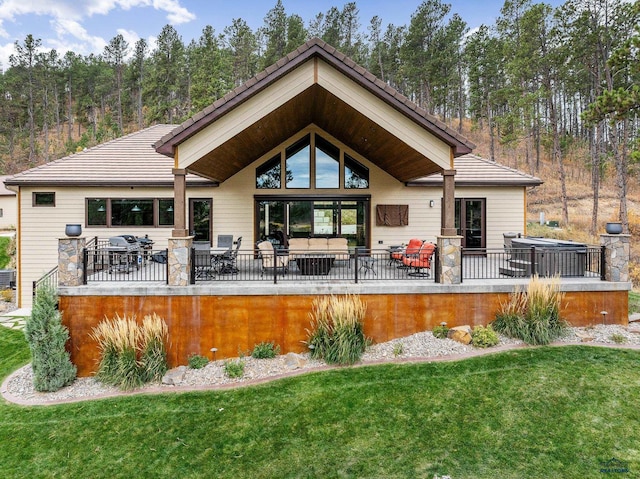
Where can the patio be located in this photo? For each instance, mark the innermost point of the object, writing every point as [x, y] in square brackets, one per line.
[363, 266]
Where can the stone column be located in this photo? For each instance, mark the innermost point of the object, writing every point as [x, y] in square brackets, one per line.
[71, 261]
[179, 259]
[450, 257]
[617, 254]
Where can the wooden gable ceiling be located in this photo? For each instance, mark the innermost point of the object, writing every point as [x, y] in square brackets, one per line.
[318, 106]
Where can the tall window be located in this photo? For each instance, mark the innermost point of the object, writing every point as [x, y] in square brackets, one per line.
[268, 174]
[327, 164]
[298, 165]
[356, 175]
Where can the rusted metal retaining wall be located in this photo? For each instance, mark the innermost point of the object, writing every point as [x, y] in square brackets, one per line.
[235, 323]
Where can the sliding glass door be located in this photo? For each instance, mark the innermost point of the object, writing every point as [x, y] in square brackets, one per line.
[304, 218]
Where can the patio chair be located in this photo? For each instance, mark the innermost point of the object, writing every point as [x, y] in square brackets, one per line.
[225, 241]
[271, 259]
[420, 261]
[202, 260]
[229, 260]
[412, 249]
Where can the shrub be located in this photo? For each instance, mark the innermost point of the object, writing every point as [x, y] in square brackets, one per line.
[440, 332]
[234, 369]
[47, 337]
[265, 350]
[618, 338]
[533, 316]
[398, 349]
[131, 354]
[482, 337]
[196, 361]
[337, 334]
[7, 295]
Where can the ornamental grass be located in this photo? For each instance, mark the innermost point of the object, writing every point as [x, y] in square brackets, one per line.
[337, 329]
[533, 315]
[131, 354]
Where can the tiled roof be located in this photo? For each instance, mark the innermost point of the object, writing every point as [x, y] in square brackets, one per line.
[472, 170]
[130, 160]
[311, 48]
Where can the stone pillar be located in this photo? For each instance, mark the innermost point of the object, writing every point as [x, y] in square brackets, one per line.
[71, 261]
[179, 259]
[617, 254]
[179, 203]
[450, 257]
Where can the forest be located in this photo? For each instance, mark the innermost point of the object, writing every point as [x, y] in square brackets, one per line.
[557, 86]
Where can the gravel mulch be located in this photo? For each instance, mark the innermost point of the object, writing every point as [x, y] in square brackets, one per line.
[18, 387]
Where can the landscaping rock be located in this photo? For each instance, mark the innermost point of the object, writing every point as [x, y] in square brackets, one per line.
[461, 334]
[174, 376]
[294, 361]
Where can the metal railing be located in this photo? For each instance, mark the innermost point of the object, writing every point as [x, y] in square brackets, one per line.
[360, 265]
[102, 264]
[302, 266]
[50, 279]
[583, 262]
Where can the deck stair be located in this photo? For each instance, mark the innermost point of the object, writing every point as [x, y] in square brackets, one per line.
[516, 268]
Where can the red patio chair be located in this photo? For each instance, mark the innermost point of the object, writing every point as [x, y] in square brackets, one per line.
[420, 261]
[412, 249]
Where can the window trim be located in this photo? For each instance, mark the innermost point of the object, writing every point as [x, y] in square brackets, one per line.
[34, 199]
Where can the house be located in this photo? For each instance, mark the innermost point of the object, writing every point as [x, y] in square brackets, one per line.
[315, 145]
[8, 207]
[342, 168]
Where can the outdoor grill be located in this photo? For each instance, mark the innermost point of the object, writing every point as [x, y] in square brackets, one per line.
[123, 253]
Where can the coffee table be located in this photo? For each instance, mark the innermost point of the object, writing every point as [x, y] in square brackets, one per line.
[312, 264]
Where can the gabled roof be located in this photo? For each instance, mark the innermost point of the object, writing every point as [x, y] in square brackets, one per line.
[325, 103]
[472, 170]
[321, 49]
[130, 160]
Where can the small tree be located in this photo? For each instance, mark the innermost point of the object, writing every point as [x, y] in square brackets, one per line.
[46, 335]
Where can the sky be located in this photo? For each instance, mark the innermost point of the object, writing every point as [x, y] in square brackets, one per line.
[86, 26]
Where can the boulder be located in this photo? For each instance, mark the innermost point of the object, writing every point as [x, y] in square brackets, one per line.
[294, 361]
[461, 334]
[174, 376]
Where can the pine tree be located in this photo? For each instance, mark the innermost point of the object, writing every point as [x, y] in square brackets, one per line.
[47, 336]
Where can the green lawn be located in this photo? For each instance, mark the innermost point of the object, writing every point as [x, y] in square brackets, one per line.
[634, 302]
[538, 412]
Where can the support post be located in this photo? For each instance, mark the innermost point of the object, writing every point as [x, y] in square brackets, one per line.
[449, 206]
[450, 258]
[179, 261]
[71, 261]
[179, 203]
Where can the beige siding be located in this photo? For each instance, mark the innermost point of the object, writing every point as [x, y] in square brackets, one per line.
[384, 115]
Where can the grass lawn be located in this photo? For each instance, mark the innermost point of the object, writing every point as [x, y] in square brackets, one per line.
[634, 302]
[538, 412]
[4, 256]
